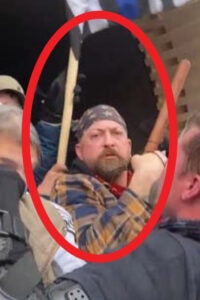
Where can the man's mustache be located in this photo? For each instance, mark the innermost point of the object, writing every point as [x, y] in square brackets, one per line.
[108, 151]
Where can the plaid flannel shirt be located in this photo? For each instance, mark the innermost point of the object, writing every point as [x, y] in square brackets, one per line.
[101, 220]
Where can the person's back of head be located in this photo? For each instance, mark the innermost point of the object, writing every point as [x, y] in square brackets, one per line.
[11, 138]
[184, 197]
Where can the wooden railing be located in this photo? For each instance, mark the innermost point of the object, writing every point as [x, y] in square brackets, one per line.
[176, 35]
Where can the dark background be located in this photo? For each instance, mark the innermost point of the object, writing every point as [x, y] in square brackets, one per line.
[113, 64]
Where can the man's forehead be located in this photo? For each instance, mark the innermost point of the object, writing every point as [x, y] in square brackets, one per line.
[105, 124]
[7, 99]
[3, 94]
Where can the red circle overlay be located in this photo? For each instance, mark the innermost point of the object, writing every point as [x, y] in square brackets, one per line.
[139, 34]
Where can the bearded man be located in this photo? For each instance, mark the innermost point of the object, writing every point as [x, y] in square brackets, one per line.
[103, 197]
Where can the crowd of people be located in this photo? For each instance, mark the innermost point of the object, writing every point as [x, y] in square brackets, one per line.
[99, 205]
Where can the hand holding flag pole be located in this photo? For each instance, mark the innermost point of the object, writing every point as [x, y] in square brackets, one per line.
[178, 82]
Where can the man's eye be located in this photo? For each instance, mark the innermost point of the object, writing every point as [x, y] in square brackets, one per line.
[118, 133]
[96, 135]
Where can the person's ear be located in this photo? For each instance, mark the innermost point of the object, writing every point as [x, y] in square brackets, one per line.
[192, 188]
[78, 151]
[130, 145]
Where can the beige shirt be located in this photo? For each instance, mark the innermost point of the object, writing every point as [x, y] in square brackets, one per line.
[43, 246]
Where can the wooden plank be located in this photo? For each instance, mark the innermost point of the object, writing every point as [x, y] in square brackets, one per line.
[176, 35]
[173, 18]
[182, 15]
[179, 36]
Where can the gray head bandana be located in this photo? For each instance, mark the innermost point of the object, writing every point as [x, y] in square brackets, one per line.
[97, 113]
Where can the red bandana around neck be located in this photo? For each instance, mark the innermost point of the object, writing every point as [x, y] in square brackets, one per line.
[115, 188]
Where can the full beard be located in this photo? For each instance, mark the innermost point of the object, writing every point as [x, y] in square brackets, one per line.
[110, 168]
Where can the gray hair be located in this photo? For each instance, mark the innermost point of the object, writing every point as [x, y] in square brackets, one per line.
[192, 148]
[193, 121]
[11, 125]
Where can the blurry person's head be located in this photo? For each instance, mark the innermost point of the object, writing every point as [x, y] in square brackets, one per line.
[103, 144]
[184, 196]
[11, 92]
[11, 139]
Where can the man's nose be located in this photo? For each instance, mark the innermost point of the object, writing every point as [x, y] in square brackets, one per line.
[108, 139]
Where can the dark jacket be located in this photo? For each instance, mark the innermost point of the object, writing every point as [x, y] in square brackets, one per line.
[165, 267]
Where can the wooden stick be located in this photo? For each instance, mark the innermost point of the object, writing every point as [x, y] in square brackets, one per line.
[178, 82]
[71, 78]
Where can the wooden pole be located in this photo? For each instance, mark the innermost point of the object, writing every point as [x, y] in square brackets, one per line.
[178, 82]
[71, 78]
